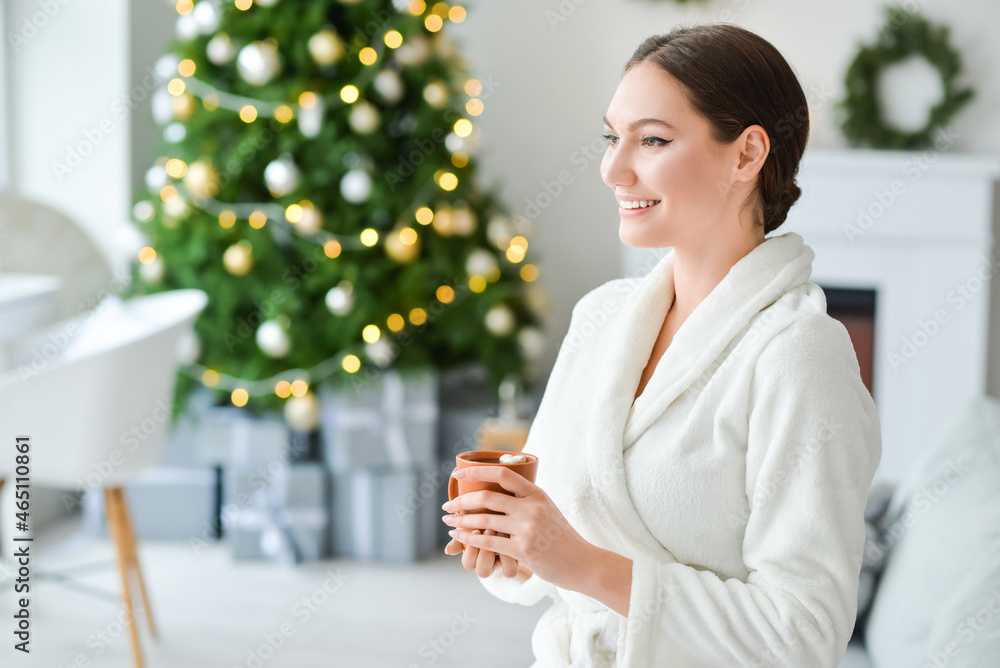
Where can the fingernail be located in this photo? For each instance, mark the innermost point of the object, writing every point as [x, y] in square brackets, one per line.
[448, 519]
[446, 505]
[453, 533]
[458, 473]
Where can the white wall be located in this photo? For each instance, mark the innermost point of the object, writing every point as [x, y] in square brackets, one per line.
[559, 62]
[68, 73]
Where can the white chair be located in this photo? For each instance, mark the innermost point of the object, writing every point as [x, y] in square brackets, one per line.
[37, 239]
[78, 387]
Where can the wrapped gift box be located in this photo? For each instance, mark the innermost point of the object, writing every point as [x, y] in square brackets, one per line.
[231, 434]
[285, 535]
[387, 513]
[390, 420]
[277, 511]
[164, 502]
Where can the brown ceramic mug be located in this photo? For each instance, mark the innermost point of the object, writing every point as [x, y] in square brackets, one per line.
[457, 487]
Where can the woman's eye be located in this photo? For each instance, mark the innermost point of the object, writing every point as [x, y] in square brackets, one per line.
[611, 140]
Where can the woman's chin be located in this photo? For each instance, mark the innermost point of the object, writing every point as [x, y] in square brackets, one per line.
[639, 235]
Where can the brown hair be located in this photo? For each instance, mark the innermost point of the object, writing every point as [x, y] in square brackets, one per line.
[735, 79]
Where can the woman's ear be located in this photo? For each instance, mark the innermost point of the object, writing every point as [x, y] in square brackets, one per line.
[754, 146]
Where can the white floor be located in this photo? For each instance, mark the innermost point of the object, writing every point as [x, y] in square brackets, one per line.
[213, 611]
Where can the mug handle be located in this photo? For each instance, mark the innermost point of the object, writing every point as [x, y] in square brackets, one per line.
[452, 493]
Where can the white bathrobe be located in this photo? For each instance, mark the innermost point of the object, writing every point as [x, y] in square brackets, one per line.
[736, 483]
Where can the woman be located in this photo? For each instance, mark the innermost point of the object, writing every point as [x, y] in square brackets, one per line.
[705, 442]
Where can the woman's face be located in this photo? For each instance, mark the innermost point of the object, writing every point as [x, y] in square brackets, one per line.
[671, 161]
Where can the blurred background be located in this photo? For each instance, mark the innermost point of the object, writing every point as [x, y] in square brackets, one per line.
[267, 266]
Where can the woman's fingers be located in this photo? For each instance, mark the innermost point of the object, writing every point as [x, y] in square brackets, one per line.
[487, 560]
[508, 563]
[453, 547]
[470, 556]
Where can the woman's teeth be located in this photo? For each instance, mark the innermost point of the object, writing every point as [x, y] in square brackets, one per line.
[640, 204]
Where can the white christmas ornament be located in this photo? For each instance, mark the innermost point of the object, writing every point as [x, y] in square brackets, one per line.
[389, 86]
[480, 262]
[380, 352]
[498, 230]
[356, 186]
[156, 178]
[188, 347]
[281, 176]
[152, 273]
[176, 207]
[340, 300]
[311, 120]
[166, 65]
[186, 27]
[272, 339]
[258, 62]
[413, 51]
[163, 106]
[129, 238]
[143, 211]
[174, 133]
[401, 5]
[364, 118]
[500, 320]
[302, 413]
[220, 49]
[206, 16]
[532, 342]
[266, 3]
[454, 143]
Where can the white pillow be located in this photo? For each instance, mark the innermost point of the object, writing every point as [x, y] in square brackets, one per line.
[941, 521]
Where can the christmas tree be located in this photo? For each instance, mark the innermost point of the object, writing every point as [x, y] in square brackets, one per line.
[317, 180]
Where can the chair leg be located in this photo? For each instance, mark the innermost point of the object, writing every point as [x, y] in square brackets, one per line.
[134, 558]
[116, 526]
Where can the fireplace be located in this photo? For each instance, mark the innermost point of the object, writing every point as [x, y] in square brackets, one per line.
[855, 309]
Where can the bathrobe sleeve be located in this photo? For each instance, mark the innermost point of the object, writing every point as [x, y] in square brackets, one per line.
[518, 589]
[813, 447]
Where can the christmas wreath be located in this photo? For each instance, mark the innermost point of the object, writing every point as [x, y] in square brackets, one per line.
[904, 34]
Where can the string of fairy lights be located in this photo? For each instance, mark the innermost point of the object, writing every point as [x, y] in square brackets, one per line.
[181, 186]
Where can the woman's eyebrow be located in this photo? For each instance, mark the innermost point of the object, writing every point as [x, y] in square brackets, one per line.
[642, 121]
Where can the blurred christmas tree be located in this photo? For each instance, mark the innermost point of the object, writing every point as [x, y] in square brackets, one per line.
[317, 180]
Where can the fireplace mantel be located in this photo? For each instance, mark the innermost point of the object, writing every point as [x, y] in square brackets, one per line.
[916, 227]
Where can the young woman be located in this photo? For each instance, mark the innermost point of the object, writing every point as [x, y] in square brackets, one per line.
[705, 442]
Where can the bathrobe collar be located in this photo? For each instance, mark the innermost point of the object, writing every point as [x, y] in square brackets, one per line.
[775, 266]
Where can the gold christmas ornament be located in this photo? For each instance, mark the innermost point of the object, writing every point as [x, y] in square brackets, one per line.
[463, 220]
[443, 220]
[364, 118]
[436, 94]
[183, 106]
[302, 413]
[326, 47]
[398, 249]
[311, 221]
[238, 258]
[201, 180]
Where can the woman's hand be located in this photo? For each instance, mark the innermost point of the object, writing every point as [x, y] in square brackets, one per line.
[484, 562]
[532, 531]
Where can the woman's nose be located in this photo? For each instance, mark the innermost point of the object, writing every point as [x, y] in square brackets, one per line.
[615, 168]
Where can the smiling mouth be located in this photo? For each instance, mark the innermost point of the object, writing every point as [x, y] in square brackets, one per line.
[639, 204]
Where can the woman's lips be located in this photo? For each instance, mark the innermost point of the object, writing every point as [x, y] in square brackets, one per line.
[633, 213]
